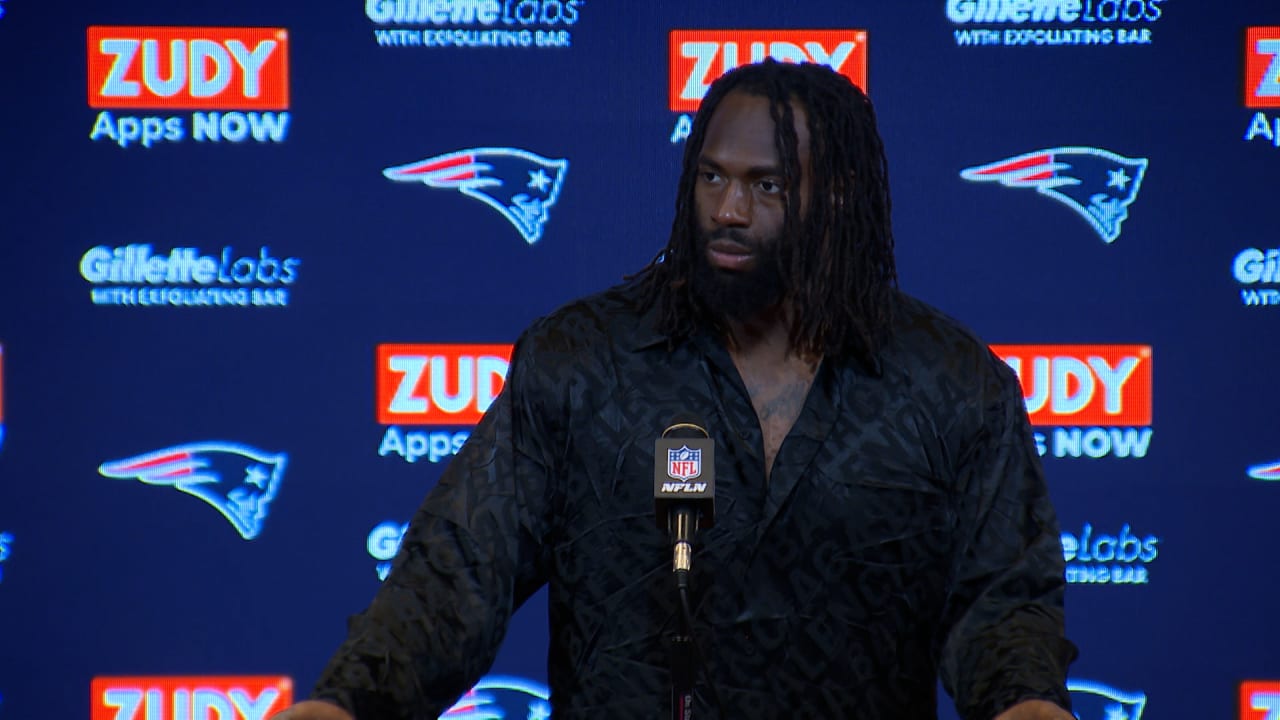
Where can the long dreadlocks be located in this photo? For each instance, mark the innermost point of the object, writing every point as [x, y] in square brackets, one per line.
[837, 259]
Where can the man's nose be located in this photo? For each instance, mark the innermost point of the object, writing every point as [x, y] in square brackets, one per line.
[734, 206]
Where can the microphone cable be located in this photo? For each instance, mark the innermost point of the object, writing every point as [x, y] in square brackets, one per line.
[682, 584]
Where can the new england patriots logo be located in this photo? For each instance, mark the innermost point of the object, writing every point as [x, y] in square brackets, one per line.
[238, 481]
[1095, 701]
[518, 184]
[1265, 471]
[1098, 184]
[498, 697]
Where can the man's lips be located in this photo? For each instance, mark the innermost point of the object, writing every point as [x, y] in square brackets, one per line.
[729, 255]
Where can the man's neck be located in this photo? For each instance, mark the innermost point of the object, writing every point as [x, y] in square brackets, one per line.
[766, 337]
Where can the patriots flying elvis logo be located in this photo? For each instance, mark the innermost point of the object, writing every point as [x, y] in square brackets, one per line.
[238, 481]
[1095, 701]
[502, 697]
[1265, 471]
[520, 185]
[1098, 184]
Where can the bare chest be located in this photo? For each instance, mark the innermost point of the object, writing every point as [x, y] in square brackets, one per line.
[777, 393]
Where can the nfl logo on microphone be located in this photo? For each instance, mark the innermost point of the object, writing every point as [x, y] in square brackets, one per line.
[684, 463]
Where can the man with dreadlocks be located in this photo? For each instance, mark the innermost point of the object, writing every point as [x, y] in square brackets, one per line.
[881, 517]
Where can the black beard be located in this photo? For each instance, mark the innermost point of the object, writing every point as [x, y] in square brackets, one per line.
[738, 296]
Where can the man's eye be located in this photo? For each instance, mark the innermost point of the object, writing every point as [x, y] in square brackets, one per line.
[709, 176]
[771, 187]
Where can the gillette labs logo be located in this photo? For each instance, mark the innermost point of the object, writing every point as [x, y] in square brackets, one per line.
[1022, 22]
[383, 543]
[134, 275]
[1099, 558]
[1258, 272]
[474, 23]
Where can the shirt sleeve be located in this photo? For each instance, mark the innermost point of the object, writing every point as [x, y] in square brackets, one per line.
[473, 552]
[1006, 626]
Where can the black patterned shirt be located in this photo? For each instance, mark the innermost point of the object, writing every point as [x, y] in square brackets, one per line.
[905, 534]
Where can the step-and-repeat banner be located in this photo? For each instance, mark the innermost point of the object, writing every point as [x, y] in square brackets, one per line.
[262, 263]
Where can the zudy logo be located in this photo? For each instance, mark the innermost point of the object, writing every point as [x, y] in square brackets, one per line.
[1083, 384]
[1260, 700]
[1097, 184]
[1262, 82]
[522, 186]
[189, 697]
[236, 78]
[1096, 398]
[237, 480]
[441, 385]
[1262, 67]
[698, 57]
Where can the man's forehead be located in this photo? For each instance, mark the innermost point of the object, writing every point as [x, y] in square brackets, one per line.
[742, 124]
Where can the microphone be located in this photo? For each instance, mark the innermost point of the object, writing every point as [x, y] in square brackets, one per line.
[684, 486]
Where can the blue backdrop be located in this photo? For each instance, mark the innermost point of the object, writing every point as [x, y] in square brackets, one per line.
[217, 219]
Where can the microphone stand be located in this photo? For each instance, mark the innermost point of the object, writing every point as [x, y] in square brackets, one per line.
[682, 507]
[681, 677]
[682, 644]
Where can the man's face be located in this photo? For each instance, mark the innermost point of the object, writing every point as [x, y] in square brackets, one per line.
[740, 202]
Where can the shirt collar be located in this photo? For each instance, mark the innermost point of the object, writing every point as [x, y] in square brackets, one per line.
[648, 334]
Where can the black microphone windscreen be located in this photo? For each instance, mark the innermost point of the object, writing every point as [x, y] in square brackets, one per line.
[684, 471]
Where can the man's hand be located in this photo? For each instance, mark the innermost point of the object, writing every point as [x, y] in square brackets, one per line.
[313, 710]
[1035, 710]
